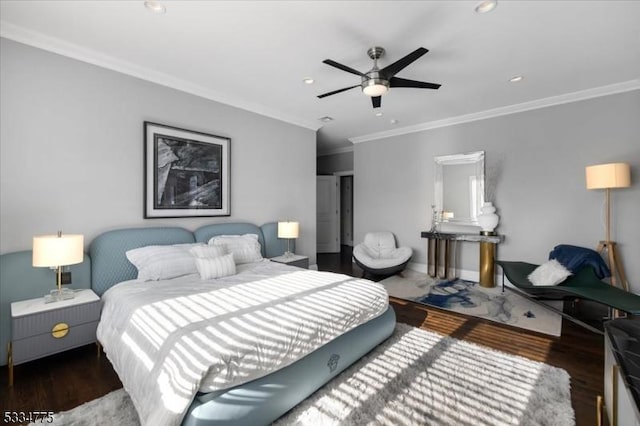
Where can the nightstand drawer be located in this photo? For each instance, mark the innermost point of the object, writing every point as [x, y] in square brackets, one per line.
[42, 323]
[34, 347]
[292, 260]
[301, 263]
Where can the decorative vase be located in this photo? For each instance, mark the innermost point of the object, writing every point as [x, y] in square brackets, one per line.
[488, 219]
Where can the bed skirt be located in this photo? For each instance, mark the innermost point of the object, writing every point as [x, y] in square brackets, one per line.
[262, 401]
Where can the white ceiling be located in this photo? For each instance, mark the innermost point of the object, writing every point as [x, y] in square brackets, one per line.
[255, 54]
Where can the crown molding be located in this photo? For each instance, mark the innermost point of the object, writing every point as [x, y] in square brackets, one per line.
[341, 150]
[596, 92]
[61, 47]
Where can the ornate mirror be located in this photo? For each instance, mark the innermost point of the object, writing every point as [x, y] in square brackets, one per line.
[459, 189]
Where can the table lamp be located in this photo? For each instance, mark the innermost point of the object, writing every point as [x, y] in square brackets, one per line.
[56, 251]
[288, 230]
[607, 177]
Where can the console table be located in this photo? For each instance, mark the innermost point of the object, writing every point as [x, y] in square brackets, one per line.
[440, 245]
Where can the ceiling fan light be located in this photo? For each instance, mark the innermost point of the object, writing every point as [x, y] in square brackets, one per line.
[155, 6]
[486, 6]
[375, 87]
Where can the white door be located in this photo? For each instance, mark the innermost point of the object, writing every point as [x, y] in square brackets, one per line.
[328, 238]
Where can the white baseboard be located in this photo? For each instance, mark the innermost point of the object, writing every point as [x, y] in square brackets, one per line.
[463, 274]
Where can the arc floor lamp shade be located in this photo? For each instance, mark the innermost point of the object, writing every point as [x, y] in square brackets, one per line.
[612, 175]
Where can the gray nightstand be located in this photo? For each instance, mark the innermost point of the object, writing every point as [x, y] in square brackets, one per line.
[39, 329]
[293, 260]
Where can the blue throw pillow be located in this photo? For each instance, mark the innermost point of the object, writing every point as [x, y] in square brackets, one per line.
[575, 258]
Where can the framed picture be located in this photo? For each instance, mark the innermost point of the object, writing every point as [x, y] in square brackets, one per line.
[186, 173]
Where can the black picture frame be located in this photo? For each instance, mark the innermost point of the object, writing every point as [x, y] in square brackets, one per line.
[186, 173]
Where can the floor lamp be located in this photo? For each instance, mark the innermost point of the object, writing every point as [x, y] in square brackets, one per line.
[607, 177]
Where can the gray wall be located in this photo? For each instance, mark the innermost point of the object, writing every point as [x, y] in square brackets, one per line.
[535, 164]
[72, 152]
[340, 162]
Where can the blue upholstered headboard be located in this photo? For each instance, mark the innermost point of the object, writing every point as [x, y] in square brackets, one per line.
[109, 264]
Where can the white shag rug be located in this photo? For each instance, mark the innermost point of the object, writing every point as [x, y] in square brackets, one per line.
[416, 377]
[469, 298]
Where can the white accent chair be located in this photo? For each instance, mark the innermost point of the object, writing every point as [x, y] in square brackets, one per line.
[378, 254]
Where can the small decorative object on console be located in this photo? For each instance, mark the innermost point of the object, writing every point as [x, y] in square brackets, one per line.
[488, 219]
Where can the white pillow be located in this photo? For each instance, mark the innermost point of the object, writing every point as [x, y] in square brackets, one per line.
[163, 262]
[245, 248]
[549, 273]
[216, 267]
[208, 251]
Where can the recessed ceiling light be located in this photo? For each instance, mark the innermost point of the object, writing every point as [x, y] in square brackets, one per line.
[486, 6]
[308, 80]
[379, 114]
[516, 79]
[394, 121]
[155, 6]
[326, 119]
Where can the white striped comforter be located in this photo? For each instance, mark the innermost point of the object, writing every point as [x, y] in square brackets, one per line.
[169, 339]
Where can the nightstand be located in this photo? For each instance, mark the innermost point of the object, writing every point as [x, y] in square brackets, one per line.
[293, 260]
[39, 329]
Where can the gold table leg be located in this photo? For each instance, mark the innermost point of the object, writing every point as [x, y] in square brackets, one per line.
[432, 258]
[487, 259]
[10, 363]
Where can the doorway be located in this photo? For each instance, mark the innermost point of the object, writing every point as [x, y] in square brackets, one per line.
[346, 210]
[334, 212]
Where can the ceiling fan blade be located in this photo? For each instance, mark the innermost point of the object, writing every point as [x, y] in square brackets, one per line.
[391, 70]
[376, 101]
[343, 67]
[403, 82]
[337, 91]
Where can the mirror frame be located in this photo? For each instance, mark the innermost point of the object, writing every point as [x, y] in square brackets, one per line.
[476, 158]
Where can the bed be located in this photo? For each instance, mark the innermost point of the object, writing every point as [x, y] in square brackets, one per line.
[234, 350]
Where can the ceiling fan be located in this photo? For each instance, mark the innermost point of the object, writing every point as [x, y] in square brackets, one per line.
[376, 82]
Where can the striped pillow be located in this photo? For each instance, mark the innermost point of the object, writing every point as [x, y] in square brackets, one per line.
[208, 251]
[162, 262]
[216, 267]
[245, 248]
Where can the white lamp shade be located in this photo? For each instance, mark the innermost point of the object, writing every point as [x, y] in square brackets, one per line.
[54, 250]
[612, 175]
[288, 229]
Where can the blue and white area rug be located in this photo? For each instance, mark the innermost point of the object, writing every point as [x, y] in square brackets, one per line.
[469, 298]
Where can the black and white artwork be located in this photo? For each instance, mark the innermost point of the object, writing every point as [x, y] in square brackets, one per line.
[186, 173]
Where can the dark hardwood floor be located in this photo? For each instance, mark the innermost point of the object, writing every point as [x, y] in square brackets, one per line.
[63, 381]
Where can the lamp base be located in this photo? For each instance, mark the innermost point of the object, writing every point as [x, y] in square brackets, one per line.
[59, 295]
[288, 254]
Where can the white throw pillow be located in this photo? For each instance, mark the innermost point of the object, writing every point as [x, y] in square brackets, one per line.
[208, 251]
[216, 267]
[549, 273]
[245, 248]
[163, 262]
